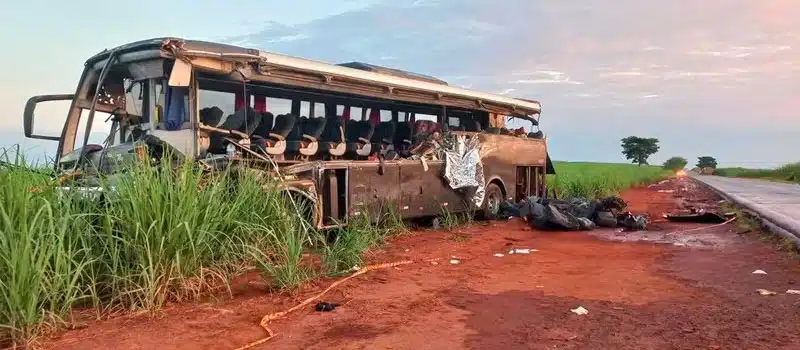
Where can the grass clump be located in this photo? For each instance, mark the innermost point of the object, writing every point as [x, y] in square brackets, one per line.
[43, 262]
[787, 172]
[344, 248]
[598, 180]
[748, 224]
[451, 222]
[156, 234]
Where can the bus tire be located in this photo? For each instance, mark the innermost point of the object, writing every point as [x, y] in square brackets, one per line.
[491, 202]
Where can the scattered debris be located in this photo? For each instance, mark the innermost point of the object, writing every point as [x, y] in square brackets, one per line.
[659, 183]
[699, 216]
[436, 224]
[631, 222]
[434, 263]
[521, 251]
[325, 306]
[759, 272]
[463, 169]
[573, 214]
[666, 191]
[455, 261]
[765, 292]
[792, 291]
[580, 310]
[499, 255]
[270, 317]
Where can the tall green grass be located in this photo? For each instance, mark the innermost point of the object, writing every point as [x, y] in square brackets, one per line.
[597, 180]
[158, 234]
[787, 172]
[343, 249]
[44, 257]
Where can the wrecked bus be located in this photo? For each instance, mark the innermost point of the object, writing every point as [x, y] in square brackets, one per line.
[348, 138]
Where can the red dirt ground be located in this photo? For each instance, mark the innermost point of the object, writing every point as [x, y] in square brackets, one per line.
[639, 295]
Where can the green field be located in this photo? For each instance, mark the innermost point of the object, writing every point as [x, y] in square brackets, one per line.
[176, 234]
[596, 180]
[789, 172]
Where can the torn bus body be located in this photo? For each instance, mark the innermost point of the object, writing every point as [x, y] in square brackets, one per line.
[349, 139]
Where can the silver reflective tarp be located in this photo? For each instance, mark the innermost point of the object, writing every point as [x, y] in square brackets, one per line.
[463, 168]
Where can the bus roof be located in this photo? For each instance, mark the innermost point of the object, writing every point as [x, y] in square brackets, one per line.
[392, 71]
[362, 73]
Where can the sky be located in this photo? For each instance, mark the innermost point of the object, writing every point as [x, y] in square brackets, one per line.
[714, 78]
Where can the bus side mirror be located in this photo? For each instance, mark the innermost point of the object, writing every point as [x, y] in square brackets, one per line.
[181, 74]
[28, 116]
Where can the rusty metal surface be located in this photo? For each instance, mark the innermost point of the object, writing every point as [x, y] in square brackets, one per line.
[415, 192]
[373, 187]
[425, 193]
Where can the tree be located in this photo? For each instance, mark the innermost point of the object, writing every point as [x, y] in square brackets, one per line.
[638, 149]
[675, 163]
[706, 161]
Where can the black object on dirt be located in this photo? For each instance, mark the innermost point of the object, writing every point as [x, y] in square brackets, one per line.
[697, 216]
[325, 306]
[574, 213]
[632, 222]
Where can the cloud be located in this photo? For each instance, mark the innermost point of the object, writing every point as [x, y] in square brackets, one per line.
[546, 81]
[623, 74]
[652, 48]
[287, 38]
[668, 66]
[667, 69]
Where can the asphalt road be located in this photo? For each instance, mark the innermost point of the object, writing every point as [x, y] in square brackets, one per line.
[778, 203]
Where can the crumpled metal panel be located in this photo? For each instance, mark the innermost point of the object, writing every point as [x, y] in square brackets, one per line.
[463, 168]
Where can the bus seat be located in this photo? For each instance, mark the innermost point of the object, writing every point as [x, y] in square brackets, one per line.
[471, 125]
[252, 121]
[383, 138]
[536, 135]
[402, 139]
[275, 141]
[358, 135]
[211, 115]
[265, 127]
[235, 121]
[333, 139]
[305, 137]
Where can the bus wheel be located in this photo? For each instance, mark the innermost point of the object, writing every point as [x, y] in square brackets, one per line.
[491, 203]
